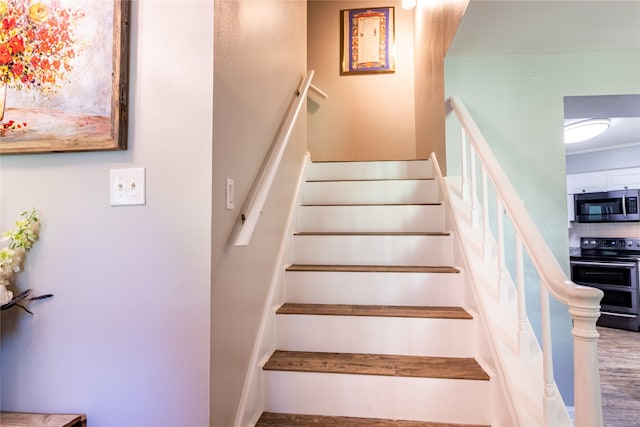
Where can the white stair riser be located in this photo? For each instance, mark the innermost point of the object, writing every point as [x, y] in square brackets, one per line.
[433, 399]
[370, 170]
[376, 335]
[380, 218]
[398, 250]
[370, 192]
[419, 289]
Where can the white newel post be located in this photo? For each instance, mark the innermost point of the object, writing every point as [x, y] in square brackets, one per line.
[584, 307]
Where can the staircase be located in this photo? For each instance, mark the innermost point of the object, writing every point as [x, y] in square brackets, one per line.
[374, 330]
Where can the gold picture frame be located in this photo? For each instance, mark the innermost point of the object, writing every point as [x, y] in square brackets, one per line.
[64, 80]
[367, 38]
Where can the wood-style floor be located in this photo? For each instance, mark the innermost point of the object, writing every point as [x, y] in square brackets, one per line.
[619, 357]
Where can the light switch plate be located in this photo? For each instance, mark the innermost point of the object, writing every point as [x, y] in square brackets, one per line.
[230, 193]
[127, 186]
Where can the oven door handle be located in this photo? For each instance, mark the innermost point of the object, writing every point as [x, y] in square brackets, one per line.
[618, 314]
[605, 264]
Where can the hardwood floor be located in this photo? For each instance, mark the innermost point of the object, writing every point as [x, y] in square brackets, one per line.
[619, 357]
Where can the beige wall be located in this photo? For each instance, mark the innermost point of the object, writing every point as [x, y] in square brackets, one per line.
[366, 117]
[259, 61]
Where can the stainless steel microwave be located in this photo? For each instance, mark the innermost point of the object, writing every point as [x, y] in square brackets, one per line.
[607, 206]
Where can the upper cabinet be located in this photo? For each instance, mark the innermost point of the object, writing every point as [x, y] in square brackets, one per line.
[614, 179]
[619, 179]
[588, 182]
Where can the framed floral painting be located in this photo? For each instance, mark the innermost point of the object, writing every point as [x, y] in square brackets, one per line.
[367, 40]
[64, 68]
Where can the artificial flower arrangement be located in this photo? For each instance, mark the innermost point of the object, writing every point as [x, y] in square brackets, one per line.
[20, 240]
[37, 43]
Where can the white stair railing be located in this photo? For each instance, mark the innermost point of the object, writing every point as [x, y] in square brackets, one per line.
[252, 208]
[583, 302]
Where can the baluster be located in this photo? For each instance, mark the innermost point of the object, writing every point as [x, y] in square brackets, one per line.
[474, 191]
[465, 178]
[525, 335]
[486, 241]
[503, 289]
[547, 358]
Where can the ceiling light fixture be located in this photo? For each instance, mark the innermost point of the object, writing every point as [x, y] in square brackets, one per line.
[584, 129]
[409, 4]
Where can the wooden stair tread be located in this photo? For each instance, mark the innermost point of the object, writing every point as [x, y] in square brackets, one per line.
[373, 268]
[375, 310]
[427, 159]
[377, 364]
[294, 420]
[371, 233]
[369, 179]
[371, 204]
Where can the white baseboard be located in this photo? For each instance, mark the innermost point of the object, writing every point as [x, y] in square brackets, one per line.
[251, 403]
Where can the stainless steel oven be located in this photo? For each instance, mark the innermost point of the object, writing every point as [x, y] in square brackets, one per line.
[612, 265]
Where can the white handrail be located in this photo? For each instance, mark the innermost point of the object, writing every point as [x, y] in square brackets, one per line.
[252, 208]
[583, 302]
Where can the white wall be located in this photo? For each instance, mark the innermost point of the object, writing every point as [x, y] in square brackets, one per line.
[126, 337]
[517, 102]
[613, 158]
[260, 59]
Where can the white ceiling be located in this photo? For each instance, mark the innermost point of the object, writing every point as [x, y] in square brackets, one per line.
[623, 110]
[491, 27]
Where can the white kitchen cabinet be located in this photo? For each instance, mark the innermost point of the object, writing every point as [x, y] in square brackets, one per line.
[588, 182]
[571, 209]
[614, 179]
[620, 179]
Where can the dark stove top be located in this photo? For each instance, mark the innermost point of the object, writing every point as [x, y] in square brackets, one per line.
[604, 248]
[605, 258]
[610, 244]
